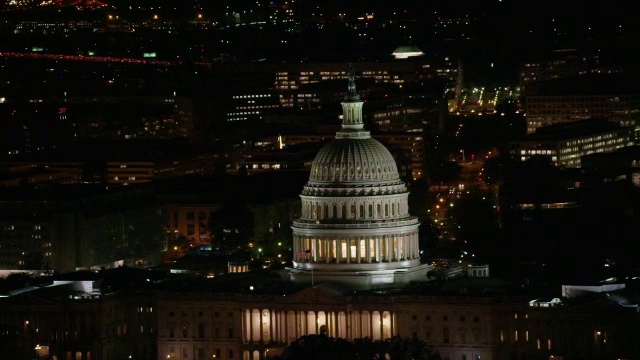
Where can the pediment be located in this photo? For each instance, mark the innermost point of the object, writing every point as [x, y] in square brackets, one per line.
[320, 294]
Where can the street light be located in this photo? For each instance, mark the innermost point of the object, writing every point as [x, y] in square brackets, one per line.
[462, 151]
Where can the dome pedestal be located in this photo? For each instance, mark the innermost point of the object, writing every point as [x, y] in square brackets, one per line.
[362, 280]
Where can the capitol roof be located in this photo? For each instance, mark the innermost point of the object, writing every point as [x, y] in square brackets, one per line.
[353, 156]
[406, 51]
[354, 160]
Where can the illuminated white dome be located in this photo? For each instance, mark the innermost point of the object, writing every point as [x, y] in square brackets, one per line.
[355, 228]
[354, 160]
[404, 52]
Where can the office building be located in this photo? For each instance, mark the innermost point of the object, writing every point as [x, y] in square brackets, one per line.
[611, 96]
[564, 144]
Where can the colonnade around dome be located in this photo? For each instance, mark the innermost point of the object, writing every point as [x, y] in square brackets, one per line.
[356, 249]
[367, 208]
[342, 190]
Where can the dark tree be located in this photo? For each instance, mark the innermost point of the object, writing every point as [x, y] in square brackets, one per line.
[446, 172]
[232, 226]
[313, 347]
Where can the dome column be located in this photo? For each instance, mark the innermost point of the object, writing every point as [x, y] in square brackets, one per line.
[348, 248]
[367, 248]
[327, 248]
[314, 256]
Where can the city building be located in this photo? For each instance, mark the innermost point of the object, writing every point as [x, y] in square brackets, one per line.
[252, 317]
[83, 316]
[355, 228]
[229, 213]
[611, 96]
[113, 163]
[565, 143]
[620, 165]
[297, 151]
[256, 319]
[308, 86]
[560, 64]
[191, 222]
[79, 226]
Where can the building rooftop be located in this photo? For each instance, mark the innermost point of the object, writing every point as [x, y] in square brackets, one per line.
[571, 130]
[584, 85]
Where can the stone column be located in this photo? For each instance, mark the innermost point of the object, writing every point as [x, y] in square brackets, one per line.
[314, 257]
[327, 249]
[349, 323]
[261, 336]
[405, 246]
[393, 322]
[275, 333]
[251, 325]
[331, 328]
[348, 242]
[367, 248]
[245, 338]
[286, 326]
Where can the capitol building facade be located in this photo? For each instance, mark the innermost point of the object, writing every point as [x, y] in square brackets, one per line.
[355, 260]
[355, 246]
[355, 229]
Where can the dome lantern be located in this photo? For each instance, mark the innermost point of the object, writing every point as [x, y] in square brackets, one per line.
[352, 124]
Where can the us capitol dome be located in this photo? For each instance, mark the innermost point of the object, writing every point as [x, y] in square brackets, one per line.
[355, 229]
